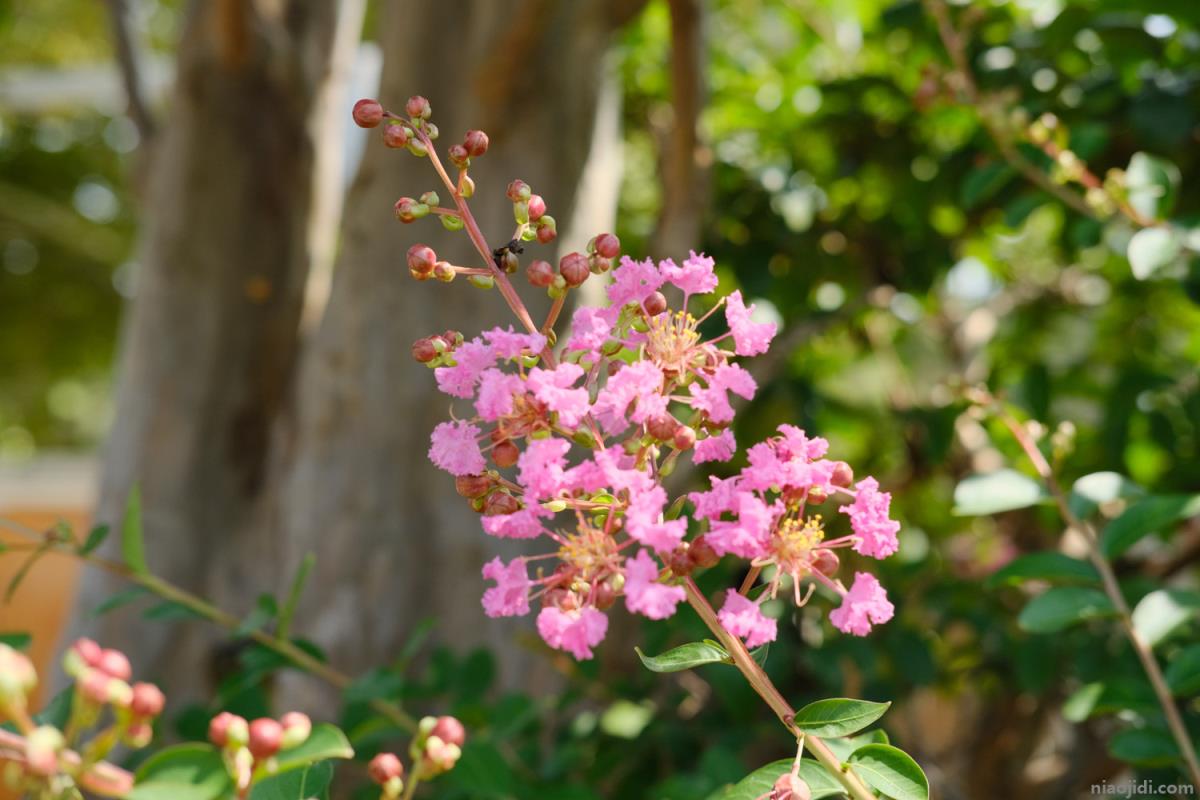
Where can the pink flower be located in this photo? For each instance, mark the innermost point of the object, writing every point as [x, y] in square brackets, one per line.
[470, 360]
[589, 330]
[742, 617]
[523, 524]
[644, 594]
[576, 631]
[865, 603]
[696, 276]
[496, 390]
[876, 532]
[749, 338]
[796, 444]
[722, 497]
[713, 398]
[540, 467]
[644, 522]
[553, 387]
[510, 596]
[641, 381]
[749, 535]
[633, 282]
[455, 448]
[715, 448]
[508, 344]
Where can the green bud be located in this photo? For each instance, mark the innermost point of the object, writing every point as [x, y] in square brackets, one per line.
[417, 148]
[450, 222]
[528, 234]
[467, 186]
[482, 281]
[584, 439]
[521, 213]
[542, 433]
[555, 505]
[420, 211]
[430, 198]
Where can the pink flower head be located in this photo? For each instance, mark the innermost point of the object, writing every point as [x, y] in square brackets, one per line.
[509, 344]
[576, 631]
[742, 617]
[590, 329]
[696, 276]
[540, 467]
[455, 448]
[523, 524]
[633, 282]
[553, 387]
[715, 448]
[644, 521]
[876, 532]
[796, 444]
[470, 360]
[641, 381]
[644, 594]
[510, 596]
[714, 399]
[864, 604]
[749, 338]
[496, 391]
[722, 497]
[750, 534]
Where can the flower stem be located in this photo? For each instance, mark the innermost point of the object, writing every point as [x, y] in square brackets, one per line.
[761, 683]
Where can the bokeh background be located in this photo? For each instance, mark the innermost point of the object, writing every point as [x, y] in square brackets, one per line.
[203, 293]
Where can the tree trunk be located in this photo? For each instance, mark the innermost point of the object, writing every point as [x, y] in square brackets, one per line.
[394, 543]
[208, 349]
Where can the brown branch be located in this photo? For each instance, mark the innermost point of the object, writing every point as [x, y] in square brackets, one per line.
[126, 53]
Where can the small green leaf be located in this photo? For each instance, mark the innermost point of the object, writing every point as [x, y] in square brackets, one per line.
[301, 784]
[686, 656]
[1160, 613]
[759, 654]
[891, 771]
[95, 539]
[183, 772]
[293, 598]
[264, 611]
[1183, 672]
[1093, 490]
[170, 610]
[326, 741]
[1062, 607]
[1151, 249]
[1045, 566]
[115, 601]
[983, 182]
[760, 782]
[1148, 747]
[133, 548]
[626, 719]
[17, 641]
[991, 493]
[838, 716]
[1149, 515]
[1082, 702]
[843, 746]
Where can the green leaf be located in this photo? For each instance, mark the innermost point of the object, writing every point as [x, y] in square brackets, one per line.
[759, 654]
[1148, 747]
[1160, 613]
[293, 598]
[843, 746]
[760, 782]
[183, 772]
[626, 719]
[1063, 606]
[133, 548]
[1045, 566]
[17, 641]
[1082, 702]
[169, 610]
[982, 182]
[1152, 184]
[686, 656]
[1183, 672]
[1149, 515]
[891, 771]
[1092, 491]
[326, 741]
[301, 784]
[95, 539]
[264, 611]
[1151, 249]
[115, 601]
[991, 493]
[838, 716]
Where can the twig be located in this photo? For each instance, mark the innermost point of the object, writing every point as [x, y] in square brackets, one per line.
[131, 75]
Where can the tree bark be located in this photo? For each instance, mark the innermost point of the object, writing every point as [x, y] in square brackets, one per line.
[208, 348]
[394, 543]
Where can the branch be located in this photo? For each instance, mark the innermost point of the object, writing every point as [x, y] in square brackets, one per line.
[131, 76]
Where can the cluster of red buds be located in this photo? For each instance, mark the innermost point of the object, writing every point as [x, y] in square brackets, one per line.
[575, 268]
[529, 212]
[434, 750]
[42, 759]
[249, 748]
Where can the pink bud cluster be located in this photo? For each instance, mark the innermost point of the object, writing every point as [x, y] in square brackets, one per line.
[434, 750]
[249, 748]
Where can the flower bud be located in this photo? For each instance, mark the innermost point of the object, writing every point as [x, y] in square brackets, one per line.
[472, 485]
[662, 427]
[574, 269]
[431, 131]
[540, 273]
[396, 136]
[519, 191]
[790, 787]
[228, 729]
[505, 454]
[826, 562]
[521, 212]
[421, 259]
[417, 147]
[598, 264]
[42, 747]
[297, 728]
[816, 495]
[547, 231]
[450, 731]
[680, 562]
[537, 207]
[482, 281]
[93, 685]
[406, 209]
[467, 184]
[451, 222]
[605, 596]
[430, 199]
[266, 736]
[147, 700]
[476, 143]
[444, 271]
[684, 438]
[384, 767]
[509, 262]
[500, 504]
[418, 107]
[17, 676]
[607, 245]
[843, 475]
[458, 156]
[424, 350]
[701, 553]
[367, 113]
[139, 734]
[116, 664]
[655, 304]
[439, 756]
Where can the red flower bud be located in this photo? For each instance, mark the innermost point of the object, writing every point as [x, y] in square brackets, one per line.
[826, 562]
[598, 264]
[89, 652]
[405, 209]
[505, 454]
[843, 475]
[537, 207]
[94, 686]
[450, 731]
[662, 427]
[604, 596]
[458, 156]
[424, 350]
[421, 259]
[519, 191]
[368, 113]
[816, 496]
[684, 439]
[147, 701]
[219, 727]
[547, 232]
[266, 735]
[608, 245]
[540, 273]
[701, 553]
[476, 143]
[444, 271]
[395, 136]
[418, 107]
[500, 504]
[384, 767]
[655, 304]
[472, 485]
[574, 268]
[115, 664]
[680, 562]
[509, 262]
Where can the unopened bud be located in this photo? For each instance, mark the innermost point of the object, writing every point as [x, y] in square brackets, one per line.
[139, 734]
[450, 731]
[42, 747]
[367, 113]
[116, 664]
[472, 485]
[684, 438]
[396, 136]
[476, 143]
[702, 553]
[540, 273]
[17, 676]
[431, 131]
[266, 737]
[421, 259]
[444, 271]
[816, 495]
[519, 191]
[228, 730]
[537, 207]
[521, 212]
[680, 561]
[790, 787]
[418, 107]
[384, 767]
[655, 304]
[482, 281]
[546, 229]
[662, 427]
[500, 504]
[607, 245]
[458, 156]
[826, 562]
[509, 262]
[417, 147]
[574, 269]
[598, 264]
[505, 454]
[406, 209]
[451, 222]
[468, 186]
[843, 475]
[147, 700]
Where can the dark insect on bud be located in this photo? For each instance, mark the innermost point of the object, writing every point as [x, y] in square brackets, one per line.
[368, 113]
[662, 427]
[574, 269]
[607, 245]
[509, 262]
[476, 143]
[684, 439]
[843, 475]
[472, 485]
[500, 504]
[519, 191]
[540, 273]
[537, 207]
[505, 454]
[421, 259]
[458, 156]
[826, 562]
[655, 304]
[395, 136]
[424, 350]
[418, 107]
[702, 554]
[598, 264]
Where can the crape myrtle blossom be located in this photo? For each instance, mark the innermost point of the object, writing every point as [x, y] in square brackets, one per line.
[579, 445]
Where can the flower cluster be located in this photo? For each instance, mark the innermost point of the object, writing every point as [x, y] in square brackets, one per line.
[249, 748]
[570, 443]
[434, 750]
[106, 710]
